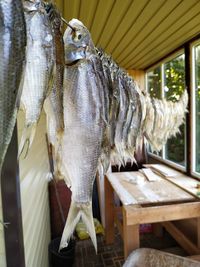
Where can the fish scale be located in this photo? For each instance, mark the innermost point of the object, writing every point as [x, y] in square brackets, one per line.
[38, 68]
[82, 139]
[12, 54]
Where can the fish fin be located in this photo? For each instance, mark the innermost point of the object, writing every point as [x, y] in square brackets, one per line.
[76, 212]
[27, 139]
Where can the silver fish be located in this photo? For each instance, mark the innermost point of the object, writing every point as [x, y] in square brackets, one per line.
[106, 116]
[12, 55]
[56, 95]
[84, 124]
[54, 102]
[38, 68]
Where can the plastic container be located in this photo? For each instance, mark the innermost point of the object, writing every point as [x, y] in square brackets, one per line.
[64, 258]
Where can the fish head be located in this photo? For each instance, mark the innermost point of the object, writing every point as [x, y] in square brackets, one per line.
[78, 42]
[32, 5]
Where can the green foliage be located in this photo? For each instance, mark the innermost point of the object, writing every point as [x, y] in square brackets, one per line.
[174, 72]
[174, 85]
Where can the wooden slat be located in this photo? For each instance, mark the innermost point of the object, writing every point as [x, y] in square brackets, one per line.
[140, 191]
[185, 12]
[148, 12]
[181, 238]
[71, 9]
[119, 11]
[131, 236]
[60, 5]
[147, 30]
[87, 12]
[186, 183]
[185, 34]
[134, 11]
[162, 213]
[102, 14]
[139, 77]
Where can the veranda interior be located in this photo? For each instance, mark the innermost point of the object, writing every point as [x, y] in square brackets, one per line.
[158, 43]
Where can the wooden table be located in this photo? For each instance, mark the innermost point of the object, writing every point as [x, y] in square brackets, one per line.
[160, 201]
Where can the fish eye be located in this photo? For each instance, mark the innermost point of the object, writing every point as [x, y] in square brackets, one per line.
[79, 36]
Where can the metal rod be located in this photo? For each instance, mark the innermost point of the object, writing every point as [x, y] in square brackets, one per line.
[73, 29]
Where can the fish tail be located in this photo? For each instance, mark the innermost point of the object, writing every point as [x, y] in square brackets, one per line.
[77, 211]
[27, 139]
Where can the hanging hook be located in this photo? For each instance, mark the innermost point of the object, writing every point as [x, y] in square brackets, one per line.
[73, 29]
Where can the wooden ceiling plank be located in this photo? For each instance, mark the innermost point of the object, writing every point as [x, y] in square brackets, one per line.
[151, 26]
[71, 9]
[59, 5]
[187, 32]
[105, 22]
[146, 15]
[87, 11]
[103, 11]
[116, 16]
[183, 13]
[125, 24]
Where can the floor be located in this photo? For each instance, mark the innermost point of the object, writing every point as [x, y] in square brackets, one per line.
[112, 255]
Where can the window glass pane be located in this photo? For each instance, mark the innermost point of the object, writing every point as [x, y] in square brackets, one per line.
[174, 85]
[197, 100]
[154, 82]
[154, 89]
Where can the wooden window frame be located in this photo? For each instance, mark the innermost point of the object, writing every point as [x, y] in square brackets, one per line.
[187, 48]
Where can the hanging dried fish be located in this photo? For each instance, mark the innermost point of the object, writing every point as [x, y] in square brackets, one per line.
[106, 117]
[12, 55]
[54, 102]
[38, 68]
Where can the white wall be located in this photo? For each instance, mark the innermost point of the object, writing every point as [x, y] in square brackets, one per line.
[34, 197]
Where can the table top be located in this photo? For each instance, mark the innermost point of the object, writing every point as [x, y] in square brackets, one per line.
[133, 188]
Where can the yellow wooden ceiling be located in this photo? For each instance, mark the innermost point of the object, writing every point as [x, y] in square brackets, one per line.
[136, 33]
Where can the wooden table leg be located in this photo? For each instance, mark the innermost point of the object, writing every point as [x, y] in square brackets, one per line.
[109, 212]
[131, 235]
[198, 232]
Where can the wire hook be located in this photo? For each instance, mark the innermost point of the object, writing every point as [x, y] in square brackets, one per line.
[73, 29]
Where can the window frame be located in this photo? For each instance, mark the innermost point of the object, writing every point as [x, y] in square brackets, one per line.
[193, 109]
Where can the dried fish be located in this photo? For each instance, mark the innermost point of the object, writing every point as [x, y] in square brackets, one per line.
[84, 125]
[38, 68]
[54, 102]
[56, 95]
[12, 54]
[106, 117]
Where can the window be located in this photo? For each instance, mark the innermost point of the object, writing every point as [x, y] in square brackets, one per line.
[154, 83]
[168, 80]
[174, 85]
[196, 107]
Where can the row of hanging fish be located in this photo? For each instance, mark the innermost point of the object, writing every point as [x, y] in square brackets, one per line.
[106, 117]
[96, 113]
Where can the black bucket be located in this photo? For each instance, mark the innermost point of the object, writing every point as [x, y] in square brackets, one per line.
[64, 258]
